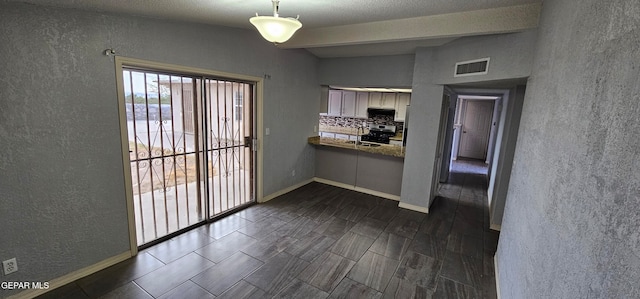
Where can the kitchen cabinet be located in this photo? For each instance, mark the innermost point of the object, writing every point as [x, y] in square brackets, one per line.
[335, 103]
[339, 136]
[386, 100]
[375, 99]
[389, 100]
[327, 134]
[342, 103]
[362, 103]
[342, 136]
[395, 142]
[402, 100]
[348, 103]
[324, 98]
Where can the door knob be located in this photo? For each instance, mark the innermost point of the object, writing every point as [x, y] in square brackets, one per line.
[464, 131]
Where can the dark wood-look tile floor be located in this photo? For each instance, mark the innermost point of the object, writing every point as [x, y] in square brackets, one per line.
[320, 241]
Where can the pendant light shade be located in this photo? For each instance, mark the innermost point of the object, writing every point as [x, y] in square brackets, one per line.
[276, 29]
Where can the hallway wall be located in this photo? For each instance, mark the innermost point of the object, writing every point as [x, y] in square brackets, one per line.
[511, 57]
[570, 228]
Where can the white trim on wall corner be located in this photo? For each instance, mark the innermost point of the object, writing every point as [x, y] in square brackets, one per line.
[73, 276]
[407, 206]
[358, 189]
[284, 191]
[495, 272]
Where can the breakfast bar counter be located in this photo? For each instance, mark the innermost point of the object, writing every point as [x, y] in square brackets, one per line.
[380, 149]
[370, 169]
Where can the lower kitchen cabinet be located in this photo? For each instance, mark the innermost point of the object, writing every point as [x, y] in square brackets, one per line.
[395, 142]
[342, 136]
[327, 134]
[339, 136]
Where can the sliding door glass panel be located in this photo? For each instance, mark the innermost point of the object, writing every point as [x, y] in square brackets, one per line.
[229, 117]
[163, 149]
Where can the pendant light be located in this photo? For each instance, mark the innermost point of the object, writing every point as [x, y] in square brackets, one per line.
[276, 29]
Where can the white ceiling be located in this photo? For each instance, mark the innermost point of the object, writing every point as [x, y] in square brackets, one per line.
[342, 28]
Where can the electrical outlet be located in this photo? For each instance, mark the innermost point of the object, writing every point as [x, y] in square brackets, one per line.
[267, 131]
[9, 266]
[315, 129]
[293, 172]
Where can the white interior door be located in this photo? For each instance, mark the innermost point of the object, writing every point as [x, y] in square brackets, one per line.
[476, 126]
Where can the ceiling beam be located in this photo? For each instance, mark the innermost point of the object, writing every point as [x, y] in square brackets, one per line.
[469, 23]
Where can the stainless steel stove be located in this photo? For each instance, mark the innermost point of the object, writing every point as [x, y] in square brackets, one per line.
[379, 133]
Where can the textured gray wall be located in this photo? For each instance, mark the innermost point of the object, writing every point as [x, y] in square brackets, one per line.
[506, 145]
[373, 71]
[61, 174]
[422, 135]
[511, 57]
[571, 224]
[338, 165]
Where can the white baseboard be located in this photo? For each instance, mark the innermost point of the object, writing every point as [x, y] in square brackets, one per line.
[407, 206]
[73, 276]
[284, 191]
[358, 189]
[492, 226]
[495, 272]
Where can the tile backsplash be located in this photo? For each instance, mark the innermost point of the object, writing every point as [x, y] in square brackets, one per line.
[352, 122]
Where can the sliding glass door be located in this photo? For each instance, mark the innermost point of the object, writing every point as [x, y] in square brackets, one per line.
[189, 144]
[228, 150]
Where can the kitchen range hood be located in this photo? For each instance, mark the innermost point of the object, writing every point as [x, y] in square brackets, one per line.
[380, 111]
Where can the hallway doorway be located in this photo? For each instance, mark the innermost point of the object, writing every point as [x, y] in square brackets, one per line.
[470, 166]
[476, 126]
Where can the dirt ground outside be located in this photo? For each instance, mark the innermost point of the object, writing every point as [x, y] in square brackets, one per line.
[162, 171]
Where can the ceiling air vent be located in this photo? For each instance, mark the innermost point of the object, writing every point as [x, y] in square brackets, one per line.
[472, 67]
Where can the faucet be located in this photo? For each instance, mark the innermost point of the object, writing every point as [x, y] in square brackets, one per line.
[358, 136]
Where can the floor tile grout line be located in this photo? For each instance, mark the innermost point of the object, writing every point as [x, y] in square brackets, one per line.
[456, 281]
[144, 290]
[336, 201]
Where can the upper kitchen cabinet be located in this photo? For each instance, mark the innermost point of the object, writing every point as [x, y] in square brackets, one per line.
[362, 103]
[348, 103]
[342, 103]
[402, 100]
[335, 103]
[389, 100]
[386, 100]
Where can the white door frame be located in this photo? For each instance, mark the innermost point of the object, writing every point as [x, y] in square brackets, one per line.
[437, 167]
[460, 125]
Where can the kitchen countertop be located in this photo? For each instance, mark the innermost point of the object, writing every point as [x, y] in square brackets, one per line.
[398, 137]
[383, 149]
[352, 131]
